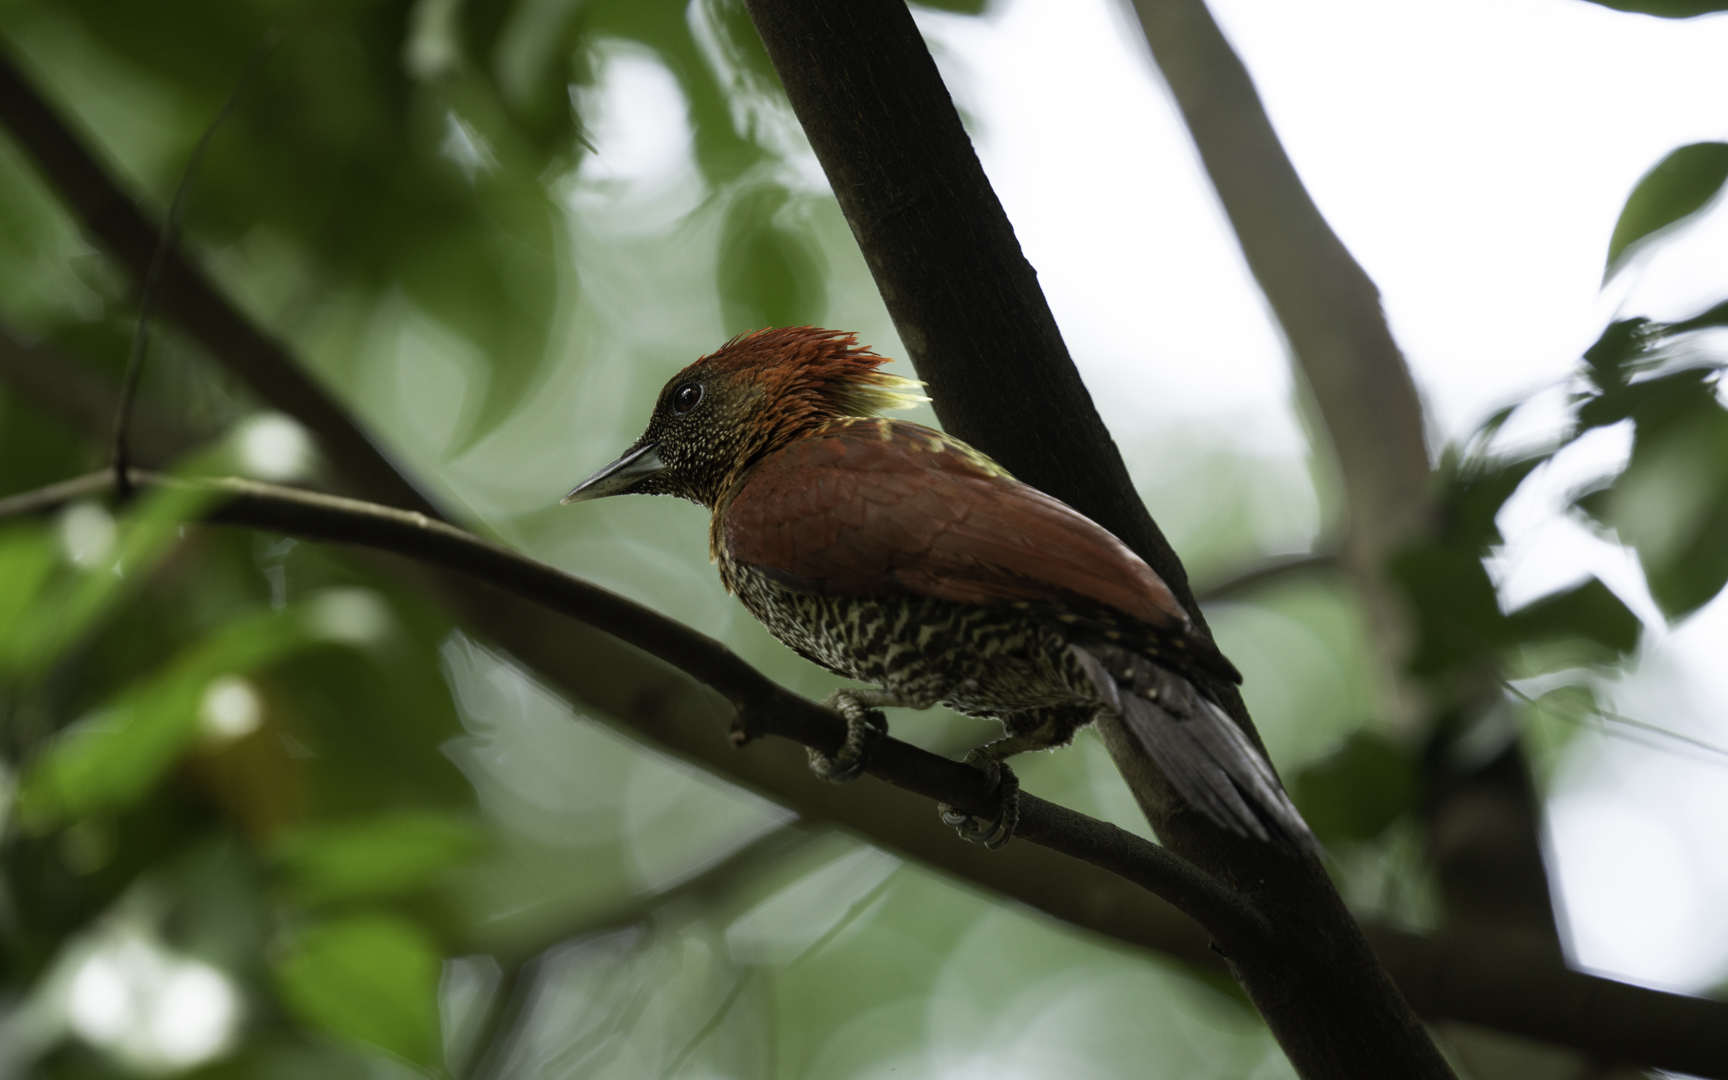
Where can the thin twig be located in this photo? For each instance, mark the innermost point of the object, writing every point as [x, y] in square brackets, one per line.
[1608, 716]
[491, 1042]
[1266, 572]
[738, 987]
[153, 279]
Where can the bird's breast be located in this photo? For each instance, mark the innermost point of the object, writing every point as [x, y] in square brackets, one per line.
[990, 660]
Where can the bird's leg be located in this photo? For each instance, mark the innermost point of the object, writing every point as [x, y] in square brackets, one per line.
[995, 833]
[865, 727]
[1033, 729]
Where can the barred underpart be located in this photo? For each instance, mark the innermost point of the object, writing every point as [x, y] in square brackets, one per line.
[1042, 671]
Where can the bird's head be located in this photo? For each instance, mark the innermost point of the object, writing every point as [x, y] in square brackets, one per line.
[753, 395]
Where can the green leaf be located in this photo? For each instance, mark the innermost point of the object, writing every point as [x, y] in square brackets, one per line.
[769, 274]
[370, 977]
[1665, 9]
[1679, 186]
[1704, 320]
[382, 855]
[62, 606]
[1620, 344]
[113, 757]
[1356, 791]
[1590, 611]
[28, 558]
[1458, 616]
[1671, 503]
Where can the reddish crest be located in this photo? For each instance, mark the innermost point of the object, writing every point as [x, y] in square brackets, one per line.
[813, 376]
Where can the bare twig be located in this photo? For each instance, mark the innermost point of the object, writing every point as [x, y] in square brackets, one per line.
[153, 277]
[87, 399]
[491, 1044]
[1266, 572]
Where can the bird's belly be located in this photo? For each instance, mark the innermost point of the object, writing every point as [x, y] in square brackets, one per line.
[977, 659]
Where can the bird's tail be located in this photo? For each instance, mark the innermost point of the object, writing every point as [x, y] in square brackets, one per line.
[1200, 749]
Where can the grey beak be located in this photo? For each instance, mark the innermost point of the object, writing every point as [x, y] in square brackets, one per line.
[617, 478]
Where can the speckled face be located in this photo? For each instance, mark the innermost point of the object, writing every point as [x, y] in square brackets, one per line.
[758, 391]
[701, 430]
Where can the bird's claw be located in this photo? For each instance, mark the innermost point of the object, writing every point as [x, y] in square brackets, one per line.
[865, 728]
[995, 833]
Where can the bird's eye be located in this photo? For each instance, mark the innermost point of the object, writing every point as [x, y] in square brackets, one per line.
[686, 397]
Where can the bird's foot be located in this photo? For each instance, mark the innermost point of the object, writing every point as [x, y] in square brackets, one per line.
[995, 833]
[865, 727]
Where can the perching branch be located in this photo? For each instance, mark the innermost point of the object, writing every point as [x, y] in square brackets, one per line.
[1462, 976]
[763, 706]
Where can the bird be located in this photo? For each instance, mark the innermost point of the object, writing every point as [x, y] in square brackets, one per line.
[896, 555]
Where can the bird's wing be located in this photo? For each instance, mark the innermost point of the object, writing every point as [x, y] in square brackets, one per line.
[878, 507]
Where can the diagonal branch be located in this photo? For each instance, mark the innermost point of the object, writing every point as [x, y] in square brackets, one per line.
[650, 703]
[762, 705]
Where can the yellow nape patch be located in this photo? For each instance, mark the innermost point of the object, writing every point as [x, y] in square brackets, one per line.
[878, 392]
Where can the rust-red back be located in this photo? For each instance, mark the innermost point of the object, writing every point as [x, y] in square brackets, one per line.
[870, 507]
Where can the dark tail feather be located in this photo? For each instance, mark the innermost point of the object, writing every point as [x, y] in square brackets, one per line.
[1202, 751]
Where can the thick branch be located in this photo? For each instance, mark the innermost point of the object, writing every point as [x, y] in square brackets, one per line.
[968, 307]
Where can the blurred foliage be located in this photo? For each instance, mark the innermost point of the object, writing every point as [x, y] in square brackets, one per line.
[1680, 185]
[1667, 9]
[273, 780]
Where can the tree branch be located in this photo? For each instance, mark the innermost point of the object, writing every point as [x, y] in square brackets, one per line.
[1266, 572]
[763, 706]
[492, 1043]
[1464, 977]
[1327, 306]
[86, 400]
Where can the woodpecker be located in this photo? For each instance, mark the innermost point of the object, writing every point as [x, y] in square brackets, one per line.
[896, 555]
